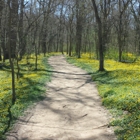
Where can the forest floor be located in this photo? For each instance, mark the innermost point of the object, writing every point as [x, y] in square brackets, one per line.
[71, 110]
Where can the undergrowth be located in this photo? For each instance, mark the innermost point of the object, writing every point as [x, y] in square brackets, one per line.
[29, 88]
[119, 87]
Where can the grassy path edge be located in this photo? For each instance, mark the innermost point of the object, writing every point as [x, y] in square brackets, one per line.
[35, 91]
[124, 106]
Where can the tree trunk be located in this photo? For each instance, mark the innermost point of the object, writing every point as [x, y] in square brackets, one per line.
[70, 47]
[14, 19]
[100, 35]
[79, 27]
[1, 8]
[120, 34]
[22, 41]
[101, 50]
[67, 44]
[12, 24]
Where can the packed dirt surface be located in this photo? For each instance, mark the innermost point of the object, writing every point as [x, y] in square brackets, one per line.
[71, 110]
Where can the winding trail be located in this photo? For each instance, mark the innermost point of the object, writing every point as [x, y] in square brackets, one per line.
[72, 109]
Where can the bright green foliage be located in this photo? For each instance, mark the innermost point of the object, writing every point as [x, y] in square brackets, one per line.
[119, 87]
[29, 87]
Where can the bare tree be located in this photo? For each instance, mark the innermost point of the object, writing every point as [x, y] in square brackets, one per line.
[100, 35]
[136, 13]
[1, 8]
[122, 6]
[79, 26]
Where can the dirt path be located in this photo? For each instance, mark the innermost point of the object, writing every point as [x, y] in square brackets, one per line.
[72, 109]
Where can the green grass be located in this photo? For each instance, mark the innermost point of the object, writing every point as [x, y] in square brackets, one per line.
[120, 91]
[30, 88]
